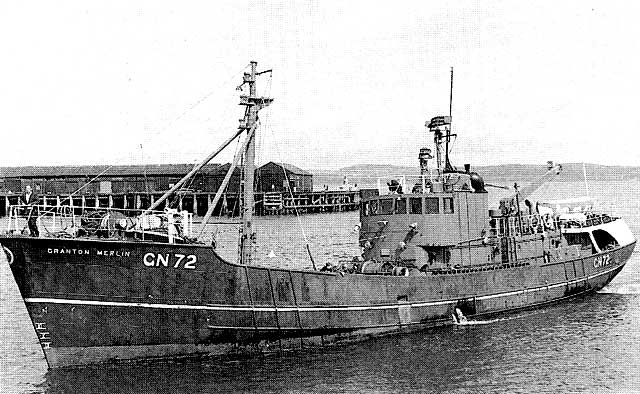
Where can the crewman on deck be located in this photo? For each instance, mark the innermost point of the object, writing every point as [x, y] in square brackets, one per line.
[30, 200]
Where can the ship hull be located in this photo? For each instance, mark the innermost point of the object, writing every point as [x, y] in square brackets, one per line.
[93, 301]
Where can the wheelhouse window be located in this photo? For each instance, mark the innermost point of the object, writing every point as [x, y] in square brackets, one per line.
[373, 207]
[448, 204]
[386, 206]
[581, 239]
[401, 205]
[432, 205]
[416, 204]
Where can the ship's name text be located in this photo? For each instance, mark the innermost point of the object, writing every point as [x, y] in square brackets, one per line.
[107, 253]
[601, 261]
[175, 260]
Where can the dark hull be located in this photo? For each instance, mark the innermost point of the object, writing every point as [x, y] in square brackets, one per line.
[94, 301]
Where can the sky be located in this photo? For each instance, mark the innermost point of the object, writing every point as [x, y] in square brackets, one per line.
[353, 82]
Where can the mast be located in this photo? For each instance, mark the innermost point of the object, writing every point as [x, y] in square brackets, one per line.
[253, 104]
[447, 164]
[440, 126]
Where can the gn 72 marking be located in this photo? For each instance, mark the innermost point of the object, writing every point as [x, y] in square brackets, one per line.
[602, 261]
[173, 260]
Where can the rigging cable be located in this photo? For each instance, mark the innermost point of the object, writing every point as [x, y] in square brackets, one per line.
[69, 197]
[78, 190]
[201, 99]
[295, 207]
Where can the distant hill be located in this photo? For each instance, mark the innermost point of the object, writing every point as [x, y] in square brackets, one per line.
[366, 175]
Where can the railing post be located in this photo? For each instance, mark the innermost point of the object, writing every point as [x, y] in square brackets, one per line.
[170, 227]
[186, 223]
[10, 212]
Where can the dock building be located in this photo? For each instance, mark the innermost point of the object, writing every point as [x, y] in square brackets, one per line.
[138, 186]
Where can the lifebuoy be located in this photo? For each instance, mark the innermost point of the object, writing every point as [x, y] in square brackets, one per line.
[9, 254]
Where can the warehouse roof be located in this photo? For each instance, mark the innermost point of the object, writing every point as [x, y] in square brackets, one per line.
[289, 167]
[106, 170]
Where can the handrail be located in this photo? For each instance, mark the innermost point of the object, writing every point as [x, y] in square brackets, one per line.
[171, 220]
[538, 224]
[410, 182]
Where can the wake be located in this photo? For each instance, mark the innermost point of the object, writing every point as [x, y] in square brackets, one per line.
[482, 322]
[625, 289]
[461, 320]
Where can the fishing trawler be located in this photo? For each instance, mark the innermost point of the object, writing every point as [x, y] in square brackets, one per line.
[125, 285]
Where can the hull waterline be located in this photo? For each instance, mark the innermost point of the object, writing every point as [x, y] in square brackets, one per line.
[88, 310]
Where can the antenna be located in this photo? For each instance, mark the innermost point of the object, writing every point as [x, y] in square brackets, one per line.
[451, 93]
[440, 125]
[447, 164]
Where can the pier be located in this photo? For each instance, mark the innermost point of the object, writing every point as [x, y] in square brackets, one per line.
[270, 203]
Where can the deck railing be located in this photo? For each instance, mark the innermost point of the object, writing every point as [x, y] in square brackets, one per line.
[432, 181]
[63, 219]
[536, 224]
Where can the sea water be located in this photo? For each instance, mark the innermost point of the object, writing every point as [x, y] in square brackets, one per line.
[588, 344]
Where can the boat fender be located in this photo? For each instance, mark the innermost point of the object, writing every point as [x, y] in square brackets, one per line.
[458, 316]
